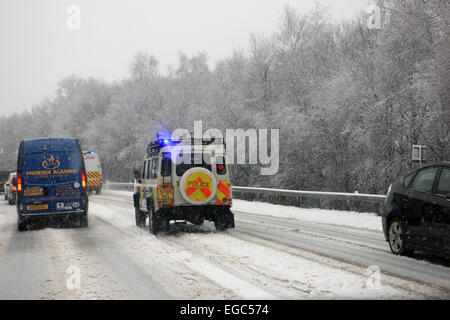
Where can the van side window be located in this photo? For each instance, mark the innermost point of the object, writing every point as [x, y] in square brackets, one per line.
[424, 180]
[444, 182]
[145, 170]
[155, 168]
[166, 165]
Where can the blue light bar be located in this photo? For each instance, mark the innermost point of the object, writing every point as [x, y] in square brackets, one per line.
[164, 142]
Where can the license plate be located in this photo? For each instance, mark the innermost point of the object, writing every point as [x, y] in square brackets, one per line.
[165, 194]
[38, 207]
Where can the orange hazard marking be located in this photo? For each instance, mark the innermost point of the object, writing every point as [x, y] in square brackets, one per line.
[198, 186]
[224, 189]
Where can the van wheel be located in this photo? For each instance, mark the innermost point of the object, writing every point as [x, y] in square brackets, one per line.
[83, 221]
[397, 238]
[139, 217]
[157, 221]
[224, 219]
[164, 223]
[152, 221]
[198, 222]
[22, 226]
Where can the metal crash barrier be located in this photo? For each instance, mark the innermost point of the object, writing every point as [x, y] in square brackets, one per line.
[307, 199]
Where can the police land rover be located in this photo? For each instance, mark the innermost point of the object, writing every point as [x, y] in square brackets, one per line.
[185, 179]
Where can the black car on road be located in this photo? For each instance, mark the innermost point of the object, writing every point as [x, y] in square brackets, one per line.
[417, 211]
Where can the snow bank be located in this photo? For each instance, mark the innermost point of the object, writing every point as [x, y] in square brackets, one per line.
[361, 220]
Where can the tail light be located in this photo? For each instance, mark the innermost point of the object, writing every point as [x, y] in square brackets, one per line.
[83, 179]
[19, 182]
[13, 188]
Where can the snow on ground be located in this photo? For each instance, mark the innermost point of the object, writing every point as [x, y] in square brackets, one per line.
[68, 259]
[250, 270]
[120, 193]
[4, 231]
[118, 260]
[285, 275]
[361, 220]
[156, 249]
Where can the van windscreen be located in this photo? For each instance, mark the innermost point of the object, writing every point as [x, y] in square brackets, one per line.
[51, 167]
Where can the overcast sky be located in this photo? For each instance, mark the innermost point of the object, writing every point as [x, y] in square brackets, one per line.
[38, 49]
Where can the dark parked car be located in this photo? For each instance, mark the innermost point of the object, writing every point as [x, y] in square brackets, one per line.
[11, 188]
[417, 211]
[3, 179]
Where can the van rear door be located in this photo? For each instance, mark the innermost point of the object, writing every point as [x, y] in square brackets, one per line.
[52, 180]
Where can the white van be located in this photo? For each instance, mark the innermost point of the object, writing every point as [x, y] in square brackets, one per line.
[93, 171]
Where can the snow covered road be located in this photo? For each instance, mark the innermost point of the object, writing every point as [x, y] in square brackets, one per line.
[274, 252]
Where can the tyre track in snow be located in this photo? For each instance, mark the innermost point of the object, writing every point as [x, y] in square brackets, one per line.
[258, 275]
[200, 268]
[346, 244]
[248, 278]
[246, 282]
[291, 285]
[354, 236]
[129, 258]
[402, 267]
[98, 243]
[114, 263]
[297, 284]
[26, 268]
